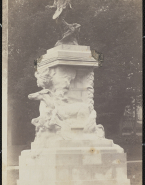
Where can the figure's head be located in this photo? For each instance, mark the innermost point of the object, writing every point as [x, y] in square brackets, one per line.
[57, 79]
[44, 78]
[40, 81]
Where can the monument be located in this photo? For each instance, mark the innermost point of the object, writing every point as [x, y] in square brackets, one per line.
[69, 147]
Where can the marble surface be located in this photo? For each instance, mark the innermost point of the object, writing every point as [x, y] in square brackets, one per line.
[70, 148]
[66, 99]
[71, 55]
[77, 165]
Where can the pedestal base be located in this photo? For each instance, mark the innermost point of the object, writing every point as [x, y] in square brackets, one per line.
[73, 166]
[69, 147]
[96, 182]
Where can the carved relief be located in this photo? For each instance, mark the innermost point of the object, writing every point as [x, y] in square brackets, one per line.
[91, 127]
[58, 114]
[90, 89]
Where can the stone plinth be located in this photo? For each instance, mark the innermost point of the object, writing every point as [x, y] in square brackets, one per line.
[70, 55]
[69, 147]
[74, 165]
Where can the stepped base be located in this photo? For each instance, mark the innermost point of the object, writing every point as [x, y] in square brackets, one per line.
[73, 166]
[73, 143]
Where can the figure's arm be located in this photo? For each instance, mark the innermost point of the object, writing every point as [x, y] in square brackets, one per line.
[35, 96]
[39, 95]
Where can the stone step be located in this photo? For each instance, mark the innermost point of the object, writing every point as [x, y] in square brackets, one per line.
[92, 182]
[76, 143]
[87, 172]
[72, 159]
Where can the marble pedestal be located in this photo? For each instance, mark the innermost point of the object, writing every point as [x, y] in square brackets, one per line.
[77, 153]
[74, 163]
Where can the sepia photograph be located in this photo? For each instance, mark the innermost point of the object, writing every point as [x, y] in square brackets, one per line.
[72, 92]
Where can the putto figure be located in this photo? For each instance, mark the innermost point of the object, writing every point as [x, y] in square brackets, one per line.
[69, 32]
[60, 5]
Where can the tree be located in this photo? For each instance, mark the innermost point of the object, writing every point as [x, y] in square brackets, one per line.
[111, 27]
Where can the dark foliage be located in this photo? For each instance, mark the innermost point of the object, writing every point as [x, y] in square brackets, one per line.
[112, 27]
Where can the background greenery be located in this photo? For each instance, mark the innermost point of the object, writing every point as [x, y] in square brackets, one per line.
[112, 27]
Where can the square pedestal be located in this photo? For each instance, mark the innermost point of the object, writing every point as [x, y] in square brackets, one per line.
[73, 166]
[87, 157]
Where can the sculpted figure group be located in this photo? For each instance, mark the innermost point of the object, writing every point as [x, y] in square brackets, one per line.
[57, 112]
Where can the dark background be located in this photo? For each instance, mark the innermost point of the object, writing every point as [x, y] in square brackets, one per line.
[112, 27]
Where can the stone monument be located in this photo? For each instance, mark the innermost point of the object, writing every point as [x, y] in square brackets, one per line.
[69, 147]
